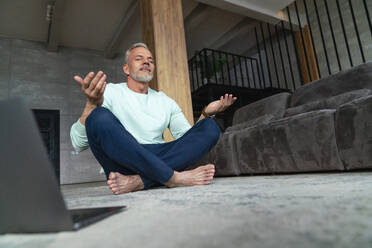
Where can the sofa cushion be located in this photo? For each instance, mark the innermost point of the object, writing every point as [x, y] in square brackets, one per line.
[304, 142]
[354, 133]
[358, 77]
[330, 103]
[257, 121]
[274, 105]
[224, 156]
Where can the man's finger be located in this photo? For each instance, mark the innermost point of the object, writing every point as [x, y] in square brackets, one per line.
[88, 78]
[223, 98]
[95, 80]
[98, 86]
[103, 89]
[230, 99]
[79, 80]
[223, 103]
[226, 99]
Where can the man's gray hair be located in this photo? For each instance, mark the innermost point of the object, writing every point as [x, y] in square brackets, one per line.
[135, 45]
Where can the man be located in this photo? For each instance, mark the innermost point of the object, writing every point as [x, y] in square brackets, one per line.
[123, 125]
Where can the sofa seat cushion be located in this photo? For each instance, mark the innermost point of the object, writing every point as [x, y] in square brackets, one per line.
[300, 143]
[330, 103]
[354, 133]
[224, 156]
[251, 123]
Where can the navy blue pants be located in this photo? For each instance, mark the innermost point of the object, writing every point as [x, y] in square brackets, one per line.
[118, 151]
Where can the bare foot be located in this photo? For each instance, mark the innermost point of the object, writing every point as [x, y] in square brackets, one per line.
[202, 175]
[121, 184]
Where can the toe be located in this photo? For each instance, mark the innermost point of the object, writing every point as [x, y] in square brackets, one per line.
[118, 175]
[112, 175]
[210, 174]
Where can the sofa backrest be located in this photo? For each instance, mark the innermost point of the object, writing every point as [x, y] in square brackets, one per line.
[358, 77]
[274, 105]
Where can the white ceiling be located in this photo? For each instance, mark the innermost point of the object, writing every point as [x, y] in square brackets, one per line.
[23, 19]
[272, 5]
[264, 10]
[90, 23]
[93, 24]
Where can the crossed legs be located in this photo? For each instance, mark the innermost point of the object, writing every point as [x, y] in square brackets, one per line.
[130, 166]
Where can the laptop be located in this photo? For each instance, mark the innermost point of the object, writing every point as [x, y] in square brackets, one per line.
[30, 198]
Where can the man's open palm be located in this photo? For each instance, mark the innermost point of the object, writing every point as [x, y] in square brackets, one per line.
[93, 86]
[220, 105]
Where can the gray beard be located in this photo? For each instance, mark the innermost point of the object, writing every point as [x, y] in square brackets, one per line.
[141, 79]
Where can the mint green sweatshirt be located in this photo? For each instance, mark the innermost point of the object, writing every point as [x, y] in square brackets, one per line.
[145, 116]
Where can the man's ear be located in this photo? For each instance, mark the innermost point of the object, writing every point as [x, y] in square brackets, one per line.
[126, 69]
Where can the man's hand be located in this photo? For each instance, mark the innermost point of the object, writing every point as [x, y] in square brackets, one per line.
[220, 105]
[93, 87]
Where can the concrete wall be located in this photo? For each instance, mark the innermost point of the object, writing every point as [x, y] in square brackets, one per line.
[45, 80]
[279, 78]
[362, 23]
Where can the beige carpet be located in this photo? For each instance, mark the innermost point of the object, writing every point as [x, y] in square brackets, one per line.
[303, 210]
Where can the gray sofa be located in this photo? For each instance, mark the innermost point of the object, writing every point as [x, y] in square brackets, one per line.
[323, 126]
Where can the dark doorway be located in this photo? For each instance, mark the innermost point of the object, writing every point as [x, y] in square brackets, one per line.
[48, 123]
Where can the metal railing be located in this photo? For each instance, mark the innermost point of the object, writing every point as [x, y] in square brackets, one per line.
[341, 15]
[335, 46]
[221, 68]
[277, 71]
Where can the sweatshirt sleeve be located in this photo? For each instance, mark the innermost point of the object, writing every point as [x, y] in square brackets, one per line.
[78, 133]
[79, 137]
[178, 125]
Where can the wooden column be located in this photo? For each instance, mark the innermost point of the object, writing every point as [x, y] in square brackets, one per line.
[163, 31]
[310, 52]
